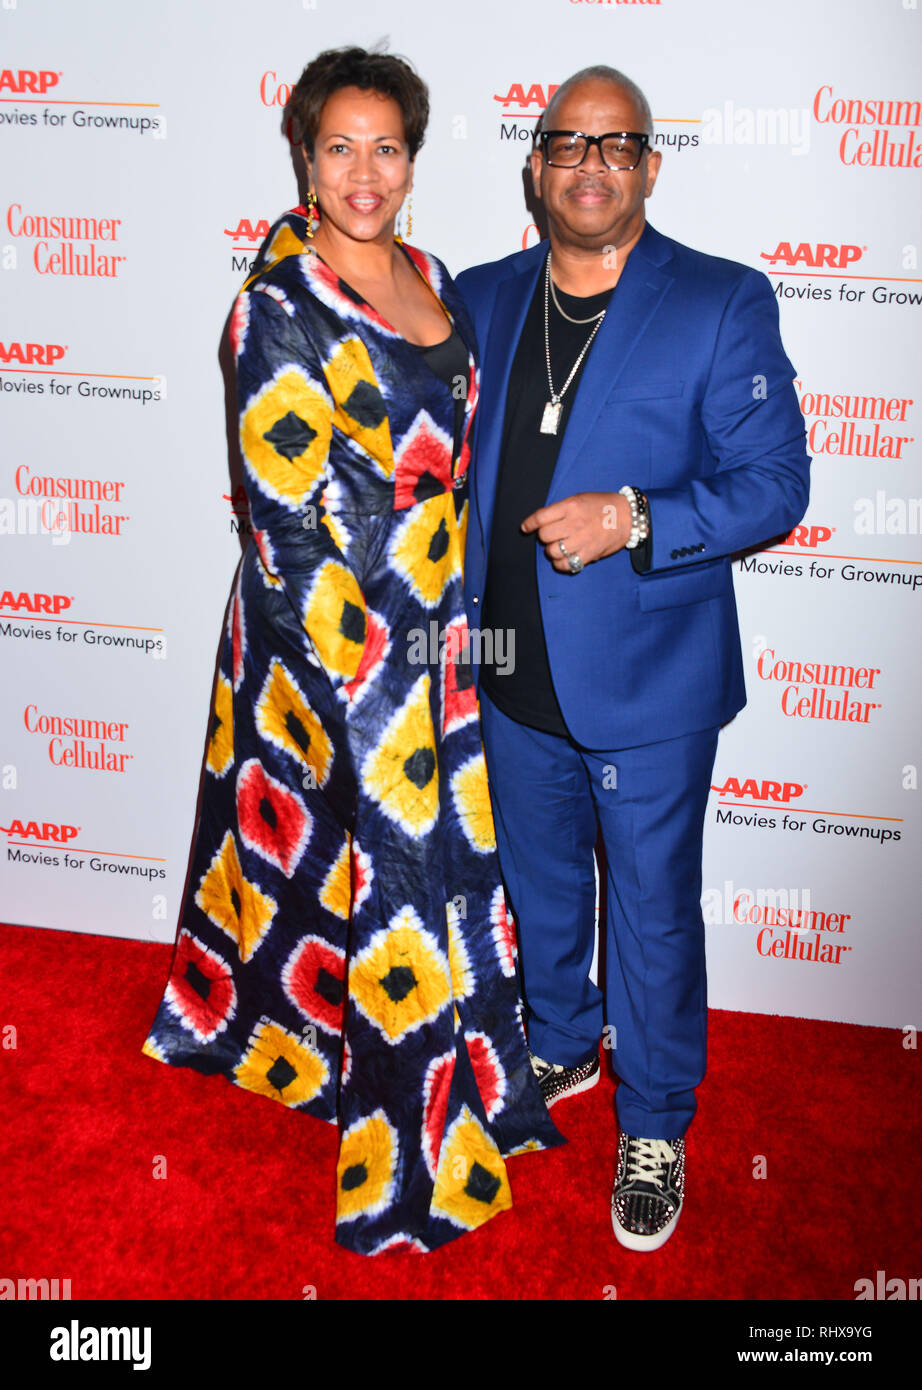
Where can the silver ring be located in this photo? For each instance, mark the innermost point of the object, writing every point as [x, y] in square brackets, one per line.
[563, 548]
[575, 563]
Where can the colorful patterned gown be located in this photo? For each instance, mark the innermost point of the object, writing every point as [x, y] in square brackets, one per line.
[344, 946]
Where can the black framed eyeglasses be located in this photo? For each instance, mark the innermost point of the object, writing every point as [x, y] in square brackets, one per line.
[566, 149]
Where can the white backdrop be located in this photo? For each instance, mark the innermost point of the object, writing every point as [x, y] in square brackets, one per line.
[142, 157]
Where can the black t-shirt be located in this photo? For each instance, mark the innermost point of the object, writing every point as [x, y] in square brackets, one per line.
[527, 461]
[448, 360]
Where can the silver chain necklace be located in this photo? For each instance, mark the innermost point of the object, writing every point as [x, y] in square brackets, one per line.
[551, 417]
[562, 311]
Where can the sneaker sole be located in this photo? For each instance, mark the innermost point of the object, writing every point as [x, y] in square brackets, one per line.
[631, 1241]
[586, 1085]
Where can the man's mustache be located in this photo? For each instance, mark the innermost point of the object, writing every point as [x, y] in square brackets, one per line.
[590, 186]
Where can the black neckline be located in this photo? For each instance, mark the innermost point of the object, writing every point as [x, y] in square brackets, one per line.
[588, 302]
[443, 342]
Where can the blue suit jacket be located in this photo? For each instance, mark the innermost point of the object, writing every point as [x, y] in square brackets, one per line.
[686, 394]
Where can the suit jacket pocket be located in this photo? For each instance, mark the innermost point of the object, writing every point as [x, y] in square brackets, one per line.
[693, 584]
[645, 389]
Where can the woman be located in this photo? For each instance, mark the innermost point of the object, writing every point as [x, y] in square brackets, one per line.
[344, 946]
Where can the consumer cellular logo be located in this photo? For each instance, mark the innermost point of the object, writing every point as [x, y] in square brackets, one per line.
[873, 134]
[64, 244]
[789, 926]
[853, 425]
[96, 745]
[820, 689]
[272, 90]
[73, 505]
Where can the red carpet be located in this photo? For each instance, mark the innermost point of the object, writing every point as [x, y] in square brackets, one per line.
[246, 1208]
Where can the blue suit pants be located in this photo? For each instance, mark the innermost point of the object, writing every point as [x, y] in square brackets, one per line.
[552, 800]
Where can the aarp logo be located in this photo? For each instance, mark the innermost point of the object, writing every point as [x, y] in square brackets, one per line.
[814, 254]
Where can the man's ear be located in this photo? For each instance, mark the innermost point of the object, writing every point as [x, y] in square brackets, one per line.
[654, 160]
[534, 160]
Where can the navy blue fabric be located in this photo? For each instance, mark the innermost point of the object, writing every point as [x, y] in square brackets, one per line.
[549, 796]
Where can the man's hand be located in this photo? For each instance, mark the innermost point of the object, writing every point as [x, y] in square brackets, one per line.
[590, 524]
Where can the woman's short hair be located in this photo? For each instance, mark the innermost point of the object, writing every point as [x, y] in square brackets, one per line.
[336, 68]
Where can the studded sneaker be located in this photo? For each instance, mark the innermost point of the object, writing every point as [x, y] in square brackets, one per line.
[648, 1191]
[557, 1082]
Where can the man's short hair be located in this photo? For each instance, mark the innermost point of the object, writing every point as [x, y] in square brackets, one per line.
[599, 72]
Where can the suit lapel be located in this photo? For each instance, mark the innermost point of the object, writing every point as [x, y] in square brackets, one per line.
[511, 307]
[637, 297]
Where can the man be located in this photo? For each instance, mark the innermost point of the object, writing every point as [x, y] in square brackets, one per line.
[637, 426]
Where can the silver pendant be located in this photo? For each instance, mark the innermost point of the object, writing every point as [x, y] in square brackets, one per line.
[551, 418]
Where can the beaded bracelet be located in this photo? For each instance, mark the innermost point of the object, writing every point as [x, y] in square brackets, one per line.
[640, 517]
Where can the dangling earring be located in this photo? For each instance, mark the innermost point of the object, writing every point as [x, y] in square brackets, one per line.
[410, 213]
[311, 213]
